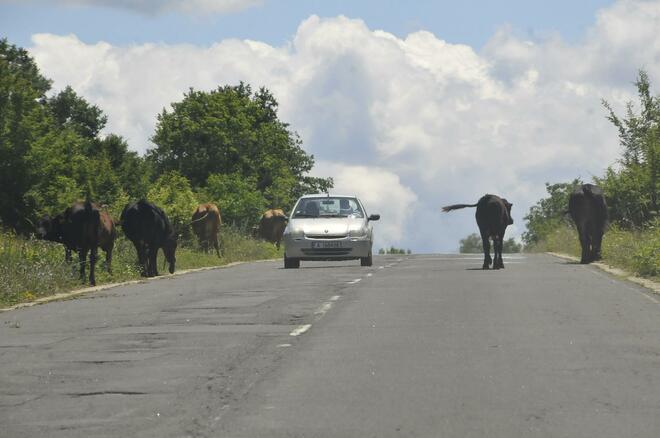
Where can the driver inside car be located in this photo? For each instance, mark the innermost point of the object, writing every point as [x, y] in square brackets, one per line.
[345, 207]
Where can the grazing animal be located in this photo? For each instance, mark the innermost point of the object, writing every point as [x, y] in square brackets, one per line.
[52, 229]
[148, 227]
[493, 216]
[206, 223]
[272, 225]
[83, 227]
[588, 209]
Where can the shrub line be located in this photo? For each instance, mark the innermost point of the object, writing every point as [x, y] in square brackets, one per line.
[645, 282]
[74, 293]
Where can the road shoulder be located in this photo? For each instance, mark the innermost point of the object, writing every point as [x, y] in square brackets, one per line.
[87, 290]
[620, 273]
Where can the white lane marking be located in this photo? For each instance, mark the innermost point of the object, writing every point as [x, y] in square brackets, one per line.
[369, 274]
[300, 330]
[284, 345]
[357, 280]
[324, 308]
[381, 267]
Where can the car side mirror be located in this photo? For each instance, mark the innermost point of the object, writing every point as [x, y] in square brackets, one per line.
[374, 217]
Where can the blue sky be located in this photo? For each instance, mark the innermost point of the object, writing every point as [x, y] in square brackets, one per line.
[410, 105]
[468, 22]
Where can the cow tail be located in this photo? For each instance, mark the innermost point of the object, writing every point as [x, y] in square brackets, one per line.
[94, 218]
[200, 218]
[449, 208]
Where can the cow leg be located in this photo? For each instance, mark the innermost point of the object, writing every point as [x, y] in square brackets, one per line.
[497, 249]
[486, 245]
[501, 243]
[277, 244]
[585, 243]
[147, 261]
[216, 245]
[92, 265]
[140, 249]
[82, 260]
[108, 258]
[596, 244]
[153, 256]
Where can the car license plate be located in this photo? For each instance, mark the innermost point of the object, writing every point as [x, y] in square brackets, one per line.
[326, 245]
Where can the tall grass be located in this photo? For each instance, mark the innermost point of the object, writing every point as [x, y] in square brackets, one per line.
[637, 251]
[31, 268]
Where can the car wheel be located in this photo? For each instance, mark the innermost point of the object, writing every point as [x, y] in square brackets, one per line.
[366, 261]
[291, 263]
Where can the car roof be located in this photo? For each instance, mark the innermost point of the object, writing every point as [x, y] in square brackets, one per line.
[327, 195]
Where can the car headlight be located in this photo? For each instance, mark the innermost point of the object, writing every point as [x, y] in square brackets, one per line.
[358, 232]
[294, 232]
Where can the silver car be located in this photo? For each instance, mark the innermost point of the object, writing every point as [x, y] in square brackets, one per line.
[328, 227]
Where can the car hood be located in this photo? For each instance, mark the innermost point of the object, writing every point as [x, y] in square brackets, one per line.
[327, 226]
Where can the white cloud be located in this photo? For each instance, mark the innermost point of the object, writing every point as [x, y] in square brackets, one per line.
[151, 7]
[441, 122]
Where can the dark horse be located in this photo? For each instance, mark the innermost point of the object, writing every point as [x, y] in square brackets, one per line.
[589, 212]
[493, 216]
[148, 227]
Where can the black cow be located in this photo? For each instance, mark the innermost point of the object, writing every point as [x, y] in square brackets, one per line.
[493, 216]
[148, 227]
[52, 229]
[588, 209]
[83, 227]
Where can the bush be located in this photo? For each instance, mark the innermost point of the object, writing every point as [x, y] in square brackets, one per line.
[637, 251]
[172, 193]
[634, 250]
[241, 204]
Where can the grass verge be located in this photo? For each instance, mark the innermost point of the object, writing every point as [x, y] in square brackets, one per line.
[31, 268]
[636, 251]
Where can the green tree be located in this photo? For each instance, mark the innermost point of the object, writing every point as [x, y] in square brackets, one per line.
[549, 212]
[71, 110]
[510, 246]
[233, 131]
[240, 203]
[132, 170]
[393, 250]
[22, 88]
[472, 244]
[632, 191]
[61, 173]
[172, 192]
[50, 152]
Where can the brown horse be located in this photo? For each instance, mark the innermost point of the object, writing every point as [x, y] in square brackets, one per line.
[206, 221]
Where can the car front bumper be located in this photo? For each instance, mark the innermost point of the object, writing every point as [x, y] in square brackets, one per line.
[342, 248]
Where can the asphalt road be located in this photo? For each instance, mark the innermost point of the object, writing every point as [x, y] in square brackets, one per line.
[424, 346]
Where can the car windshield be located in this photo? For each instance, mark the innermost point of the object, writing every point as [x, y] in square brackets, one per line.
[326, 207]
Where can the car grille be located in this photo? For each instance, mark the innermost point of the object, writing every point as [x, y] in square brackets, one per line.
[326, 251]
[325, 236]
